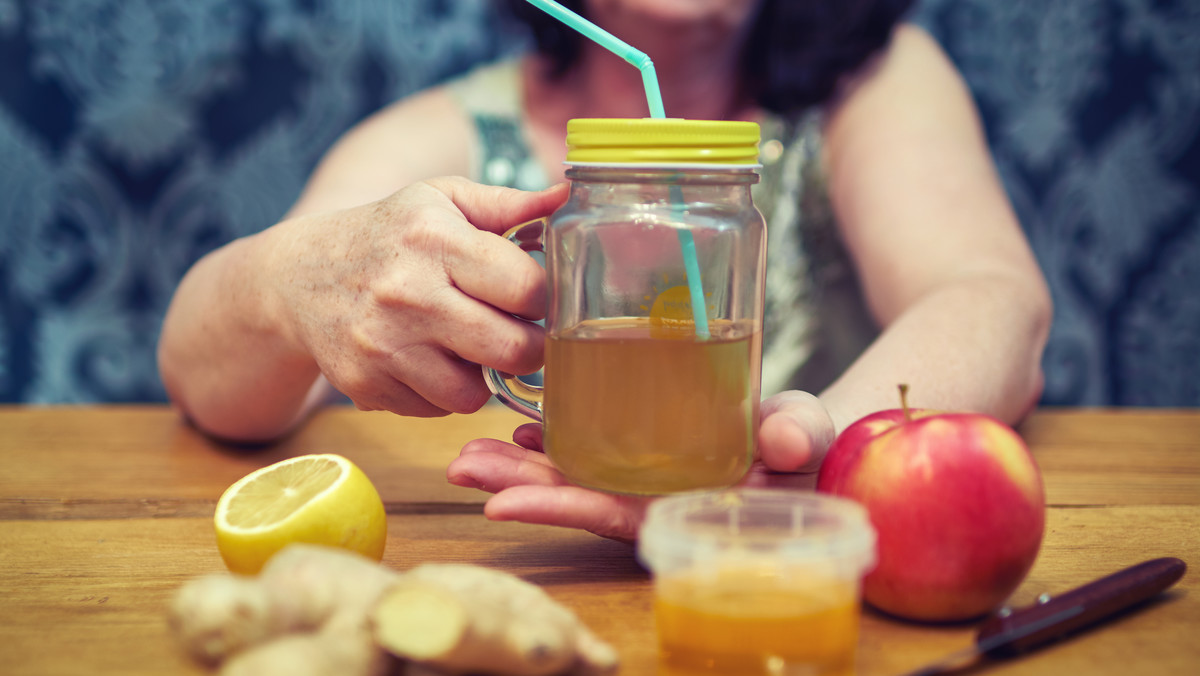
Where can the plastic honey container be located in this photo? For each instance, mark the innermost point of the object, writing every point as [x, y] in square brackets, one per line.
[757, 581]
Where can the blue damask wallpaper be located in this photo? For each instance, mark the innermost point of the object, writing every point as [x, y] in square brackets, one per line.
[137, 134]
[1093, 112]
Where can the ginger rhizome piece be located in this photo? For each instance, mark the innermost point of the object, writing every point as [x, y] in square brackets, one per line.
[324, 611]
[464, 619]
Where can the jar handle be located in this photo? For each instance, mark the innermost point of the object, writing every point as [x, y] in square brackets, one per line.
[513, 392]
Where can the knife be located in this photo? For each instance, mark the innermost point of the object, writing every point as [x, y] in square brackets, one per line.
[1009, 633]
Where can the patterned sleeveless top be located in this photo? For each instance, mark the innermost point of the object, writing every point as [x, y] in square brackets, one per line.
[816, 322]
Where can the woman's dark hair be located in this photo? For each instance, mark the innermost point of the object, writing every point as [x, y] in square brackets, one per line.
[796, 54]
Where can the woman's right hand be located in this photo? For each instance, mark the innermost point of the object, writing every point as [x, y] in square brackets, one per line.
[793, 437]
[399, 301]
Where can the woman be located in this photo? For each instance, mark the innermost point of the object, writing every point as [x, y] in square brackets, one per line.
[895, 256]
[898, 206]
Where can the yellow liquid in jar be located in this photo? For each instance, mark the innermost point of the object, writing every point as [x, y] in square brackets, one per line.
[745, 622]
[634, 407]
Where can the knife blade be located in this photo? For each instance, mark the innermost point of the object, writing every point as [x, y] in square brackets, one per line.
[1010, 633]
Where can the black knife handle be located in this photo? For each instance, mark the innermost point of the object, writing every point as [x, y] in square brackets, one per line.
[1005, 635]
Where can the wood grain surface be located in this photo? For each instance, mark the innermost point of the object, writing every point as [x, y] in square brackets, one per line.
[105, 511]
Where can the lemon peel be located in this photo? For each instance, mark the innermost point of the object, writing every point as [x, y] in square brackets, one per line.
[322, 499]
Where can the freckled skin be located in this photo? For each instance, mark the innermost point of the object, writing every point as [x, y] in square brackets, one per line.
[958, 505]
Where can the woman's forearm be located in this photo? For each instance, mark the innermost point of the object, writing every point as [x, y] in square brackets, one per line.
[223, 356]
[971, 345]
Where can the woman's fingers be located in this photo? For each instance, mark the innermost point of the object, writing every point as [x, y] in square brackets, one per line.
[612, 516]
[492, 465]
[795, 432]
[498, 273]
[496, 209]
[528, 488]
[529, 436]
[438, 384]
[486, 267]
[483, 335]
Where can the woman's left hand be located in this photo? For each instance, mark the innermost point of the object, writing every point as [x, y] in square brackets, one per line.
[794, 434]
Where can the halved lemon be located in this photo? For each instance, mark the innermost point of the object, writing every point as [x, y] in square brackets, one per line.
[317, 499]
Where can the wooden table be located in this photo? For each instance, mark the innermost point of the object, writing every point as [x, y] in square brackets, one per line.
[105, 511]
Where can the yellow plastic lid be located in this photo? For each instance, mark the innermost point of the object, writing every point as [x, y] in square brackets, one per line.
[661, 141]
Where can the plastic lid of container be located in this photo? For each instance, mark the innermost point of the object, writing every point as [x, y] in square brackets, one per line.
[786, 526]
[662, 141]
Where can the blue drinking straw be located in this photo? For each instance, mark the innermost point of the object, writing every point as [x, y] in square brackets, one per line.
[654, 98]
[616, 46]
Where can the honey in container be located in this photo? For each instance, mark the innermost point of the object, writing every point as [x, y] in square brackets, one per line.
[751, 582]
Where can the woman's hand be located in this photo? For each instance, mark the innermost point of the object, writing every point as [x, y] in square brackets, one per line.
[399, 301]
[794, 434]
[395, 303]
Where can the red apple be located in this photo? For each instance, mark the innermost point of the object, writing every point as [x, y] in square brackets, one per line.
[956, 500]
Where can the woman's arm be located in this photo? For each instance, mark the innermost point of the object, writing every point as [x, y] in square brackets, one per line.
[944, 264]
[389, 294]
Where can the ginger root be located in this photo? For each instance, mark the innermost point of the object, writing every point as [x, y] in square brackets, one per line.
[463, 619]
[306, 600]
[323, 611]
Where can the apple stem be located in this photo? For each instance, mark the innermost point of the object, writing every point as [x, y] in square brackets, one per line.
[904, 402]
